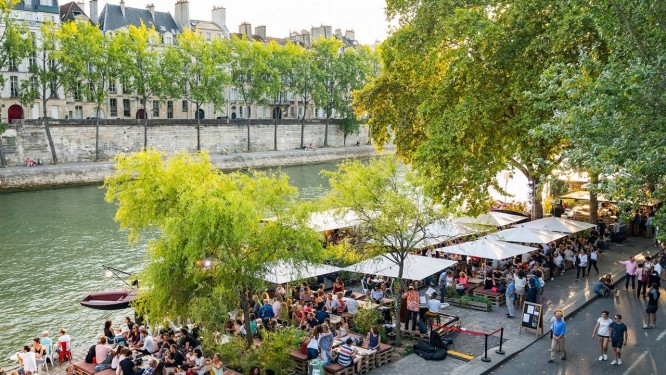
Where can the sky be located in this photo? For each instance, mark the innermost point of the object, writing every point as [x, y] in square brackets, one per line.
[365, 17]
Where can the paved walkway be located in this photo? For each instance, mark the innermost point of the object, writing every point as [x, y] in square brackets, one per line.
[563, 293]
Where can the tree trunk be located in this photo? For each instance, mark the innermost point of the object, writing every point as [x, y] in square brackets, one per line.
[198, 128]
[275, 126]
[3, 161]
[537, 206]
[398, 302]
[97, 132]
[246, 316]
[328, 120]
[594, 199]
[303, 131]
[49, 138]
[248, 134]
[344, 138]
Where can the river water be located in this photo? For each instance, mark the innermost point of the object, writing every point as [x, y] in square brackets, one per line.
[53, 244]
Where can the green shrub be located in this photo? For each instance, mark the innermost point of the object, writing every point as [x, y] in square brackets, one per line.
[236, 355]
[366, 318]
[273, 353]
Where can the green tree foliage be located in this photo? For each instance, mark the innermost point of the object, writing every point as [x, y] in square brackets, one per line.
[328, 91]
[279, 63]
[302, 77]
[456, 91]
[87, 64]
[143, 67]
[393, 213]
[45, 76]
[206, 215]
[250, 73]
[204, 66]
[357, 67]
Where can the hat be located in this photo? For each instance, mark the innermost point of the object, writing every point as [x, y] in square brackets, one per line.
[411, 287]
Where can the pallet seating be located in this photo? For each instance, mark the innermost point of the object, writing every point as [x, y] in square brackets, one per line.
[338, 369]
[300, 362]
[367, 361]
[497, 298]
[568, 265]
[83, 368]
[384, 355]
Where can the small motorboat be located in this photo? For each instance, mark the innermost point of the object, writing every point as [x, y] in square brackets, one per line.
[109, 300]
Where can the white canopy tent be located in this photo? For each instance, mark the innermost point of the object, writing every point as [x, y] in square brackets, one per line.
[440, 232]
[283, 272]
[492, 218]
[416, 267]
[526, 235]
[583, 195]
[556, 224]
[487, 248]
[331, 220]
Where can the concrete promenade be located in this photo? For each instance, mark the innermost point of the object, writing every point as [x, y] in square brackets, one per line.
[561, 293]
[72, 174]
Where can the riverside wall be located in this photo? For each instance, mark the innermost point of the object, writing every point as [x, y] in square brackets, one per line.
[75, 139]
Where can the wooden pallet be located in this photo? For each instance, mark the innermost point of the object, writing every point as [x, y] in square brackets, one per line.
[300, 362]
[497, 298]
[367, 363]
[338, 369]
[384, 355]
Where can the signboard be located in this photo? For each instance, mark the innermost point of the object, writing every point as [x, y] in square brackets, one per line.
[532, 317]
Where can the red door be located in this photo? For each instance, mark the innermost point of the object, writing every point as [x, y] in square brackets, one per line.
[15, 113]
[140, 114]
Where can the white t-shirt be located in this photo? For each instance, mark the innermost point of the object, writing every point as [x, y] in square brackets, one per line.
[520, 283]
[200, 362]
[433, 305]
[65, 339]
[352, 306]
[593, 255]
[314, 343]
[29, 361]
[558, 260]
[148, 344]
[657, 268]
[604, 327]
[583, 260]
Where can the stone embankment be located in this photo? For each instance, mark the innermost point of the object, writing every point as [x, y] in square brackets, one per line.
[72, 174]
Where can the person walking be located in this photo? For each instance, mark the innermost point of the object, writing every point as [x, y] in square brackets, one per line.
[618, 334]
[630, 266]
[510, 297]
[581, 263]
[594, 257]
[558, 340]
[643, 274]
[442, 286]
[652, 307]
[602, 329]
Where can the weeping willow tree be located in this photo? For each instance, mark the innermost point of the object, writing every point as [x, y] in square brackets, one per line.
[214, 246]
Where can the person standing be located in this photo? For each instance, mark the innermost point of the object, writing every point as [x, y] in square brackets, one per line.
[442, 286]
[594, 256]
[510, 297]
[630, 266]
[602, 329]
[652, 307]
[558, 341]
[412, 297]
[618, 334]
[581, 263]
[643, 274]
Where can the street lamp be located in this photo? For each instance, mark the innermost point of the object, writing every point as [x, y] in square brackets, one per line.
[506, 175]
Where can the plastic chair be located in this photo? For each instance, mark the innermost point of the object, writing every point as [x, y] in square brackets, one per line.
[64, 353]
[364, 286]
[389, 289]
[48, 356]
[45, 365]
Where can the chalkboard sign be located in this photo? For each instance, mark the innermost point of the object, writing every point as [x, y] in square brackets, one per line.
[532, 317]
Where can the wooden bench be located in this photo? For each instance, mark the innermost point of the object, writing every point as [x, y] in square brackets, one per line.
[568, 264]
[384, 355]
[83, 368]
[300, 362]
[367, 362]
[337, 369]
[497, 298]
[546, 273]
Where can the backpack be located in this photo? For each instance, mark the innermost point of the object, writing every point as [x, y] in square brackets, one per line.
[645, 276]
[436, 340]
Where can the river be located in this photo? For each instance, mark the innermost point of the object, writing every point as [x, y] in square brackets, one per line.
[53, 244]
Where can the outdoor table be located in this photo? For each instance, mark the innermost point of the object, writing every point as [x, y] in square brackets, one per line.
[477, 282]
[367, 305]
[335, 319]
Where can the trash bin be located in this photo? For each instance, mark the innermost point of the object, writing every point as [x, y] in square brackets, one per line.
[316, 367]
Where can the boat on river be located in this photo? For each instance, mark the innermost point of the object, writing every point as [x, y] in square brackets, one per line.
[109, 300]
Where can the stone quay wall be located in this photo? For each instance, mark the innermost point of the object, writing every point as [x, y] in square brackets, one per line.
[75, 139]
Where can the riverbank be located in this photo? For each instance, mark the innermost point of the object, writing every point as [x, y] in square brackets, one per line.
[76, 174]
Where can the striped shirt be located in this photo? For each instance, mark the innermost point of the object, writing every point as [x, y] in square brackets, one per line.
[345, 354]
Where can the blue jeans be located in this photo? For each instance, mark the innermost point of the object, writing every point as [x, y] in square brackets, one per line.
[312, 353]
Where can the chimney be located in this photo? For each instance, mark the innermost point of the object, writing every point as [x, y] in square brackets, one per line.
[151, 9]
[182, 14]
[261, 31]
[122, 7]
[338, 33]
[350, 34]
[94, 17]
[219, 16]
[245, 28]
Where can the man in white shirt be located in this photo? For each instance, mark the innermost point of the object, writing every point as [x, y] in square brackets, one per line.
[27, 361]
[148, 347]
[352, 305]
[64, 338]
[559, 262]
[376, 295]
[434, 304]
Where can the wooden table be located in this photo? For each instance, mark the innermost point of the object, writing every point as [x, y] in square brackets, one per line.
[367, 305]
[477, 282]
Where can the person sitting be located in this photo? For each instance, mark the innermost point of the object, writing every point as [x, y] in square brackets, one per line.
[216, 365]
[322, 314]
[173, 358]
[102, 350]
[198, 363]
[352, 305]
[608, 283]
[347, 355]
[373, 338]
[187, 341]
[377, 294]
[27, 362]
[148, 347]
[434, 305]
[462, 283]
[253, 326]
[266, 312]
[600, 288]
[39, 349]
[341, 306]
[338, 286]
[127, 366]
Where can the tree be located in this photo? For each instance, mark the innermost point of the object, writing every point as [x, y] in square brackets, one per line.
[302, 75]
[44, 76]
[279, 64]
[249, 73]
[88, 66]
[204, 71]
[214, 245]
[393, 213]
[456, 91]
[329, 89]
[15, 43]
[141, 65]
[357, 66]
